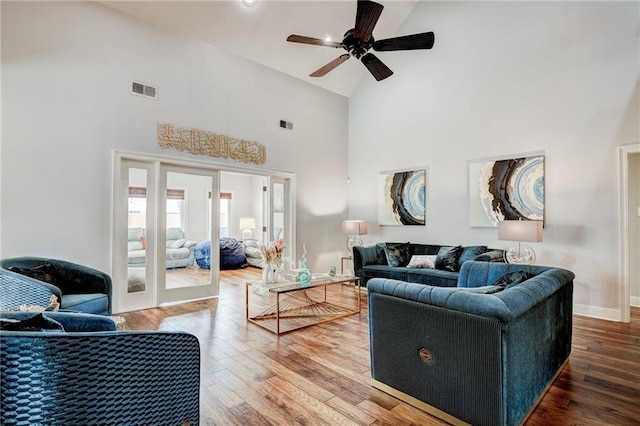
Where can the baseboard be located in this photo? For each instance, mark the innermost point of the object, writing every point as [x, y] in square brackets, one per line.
[597, 312]
[418, 404]
[635, 301]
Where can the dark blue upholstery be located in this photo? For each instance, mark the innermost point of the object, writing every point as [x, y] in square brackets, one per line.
[78, 288]
[87, 376]
[492, 354]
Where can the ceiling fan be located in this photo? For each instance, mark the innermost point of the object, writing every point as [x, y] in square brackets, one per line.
[359, 40]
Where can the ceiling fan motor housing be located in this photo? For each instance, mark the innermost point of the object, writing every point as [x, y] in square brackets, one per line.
[356, 47]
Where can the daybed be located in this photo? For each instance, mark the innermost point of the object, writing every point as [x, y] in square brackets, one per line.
[77, 287]
[392, 260]
[179, 250]
[478, 353]
[91, 374]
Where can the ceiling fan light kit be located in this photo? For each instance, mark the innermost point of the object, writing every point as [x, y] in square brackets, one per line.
[359, 40]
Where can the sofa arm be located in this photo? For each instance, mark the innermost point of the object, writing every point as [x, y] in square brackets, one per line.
[149, 378]
[362, 256]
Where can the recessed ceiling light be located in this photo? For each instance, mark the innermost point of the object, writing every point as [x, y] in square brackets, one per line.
[249, 2]
[327, 38]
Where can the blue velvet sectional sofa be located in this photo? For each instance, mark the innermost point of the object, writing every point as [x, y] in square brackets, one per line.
[370, 261]
[480, 354]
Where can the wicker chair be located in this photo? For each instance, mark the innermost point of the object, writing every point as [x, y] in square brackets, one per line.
[77, 287]
[91, 374]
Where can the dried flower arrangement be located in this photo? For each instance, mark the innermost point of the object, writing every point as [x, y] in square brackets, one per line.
[272, 252]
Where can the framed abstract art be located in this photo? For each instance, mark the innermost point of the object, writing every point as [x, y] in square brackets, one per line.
[506, 189]
[402, 197]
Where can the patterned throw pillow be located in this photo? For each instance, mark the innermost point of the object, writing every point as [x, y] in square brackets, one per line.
[36, 323]
[470, 253]
[447, 258]
[511, 279]
[398, 254]
[427, 261]
[45, 272]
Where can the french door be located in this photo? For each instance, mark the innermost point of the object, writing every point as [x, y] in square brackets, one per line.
[166, 226]
[195, 276]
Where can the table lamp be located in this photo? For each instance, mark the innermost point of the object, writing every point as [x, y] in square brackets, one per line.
[354, 228]
[247, 224]
[520, 230]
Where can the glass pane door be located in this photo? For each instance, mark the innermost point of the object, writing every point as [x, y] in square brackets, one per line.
[188, 253]
[279, 215]
[134, 262]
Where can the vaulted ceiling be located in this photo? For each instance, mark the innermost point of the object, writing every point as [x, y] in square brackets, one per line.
[259, 32]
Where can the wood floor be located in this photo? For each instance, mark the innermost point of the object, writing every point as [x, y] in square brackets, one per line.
[320, 375]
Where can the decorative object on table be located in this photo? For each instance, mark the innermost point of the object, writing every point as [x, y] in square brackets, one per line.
[354, 228]
[247, 224]
[203, 142]
[305, 275]
[520, 230]
[402, 197]
[506, 189]
[332, 271]
[272, 255]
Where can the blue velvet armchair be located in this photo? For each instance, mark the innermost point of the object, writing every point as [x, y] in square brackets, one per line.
[77, 287]
[91, 374]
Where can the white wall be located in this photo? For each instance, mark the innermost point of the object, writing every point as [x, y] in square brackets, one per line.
[634, 228]
[508, 78]
[66, 69]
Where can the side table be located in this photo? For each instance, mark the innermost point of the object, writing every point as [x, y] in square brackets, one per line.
[342, 259]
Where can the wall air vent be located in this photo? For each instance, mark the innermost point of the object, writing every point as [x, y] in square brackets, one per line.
[286, 125]
[144, 90]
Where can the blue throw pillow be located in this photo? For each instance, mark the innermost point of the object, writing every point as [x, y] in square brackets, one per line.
[398, 254]
[470, 253]
[37, 322]
[447, 258]
[511, 279]
[381, 256]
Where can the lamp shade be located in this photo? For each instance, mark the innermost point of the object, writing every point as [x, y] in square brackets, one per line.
[354, 227]
[247, 223]
[520, 230]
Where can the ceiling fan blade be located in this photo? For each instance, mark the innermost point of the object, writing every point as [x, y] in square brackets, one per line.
[330, 66]
[367, 14]
[315, 41]
[410, 42]
[375, 66]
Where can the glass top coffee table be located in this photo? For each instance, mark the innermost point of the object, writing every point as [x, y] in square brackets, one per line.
[299, 306]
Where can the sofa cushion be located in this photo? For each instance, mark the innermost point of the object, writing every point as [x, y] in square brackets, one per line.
[176, 244]
[422, 261]
[447, 258]
[177, 253]
[398, 254]
[134, 245]
[384, 271]
[92, 303]
[470, 253]
[433, 277]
